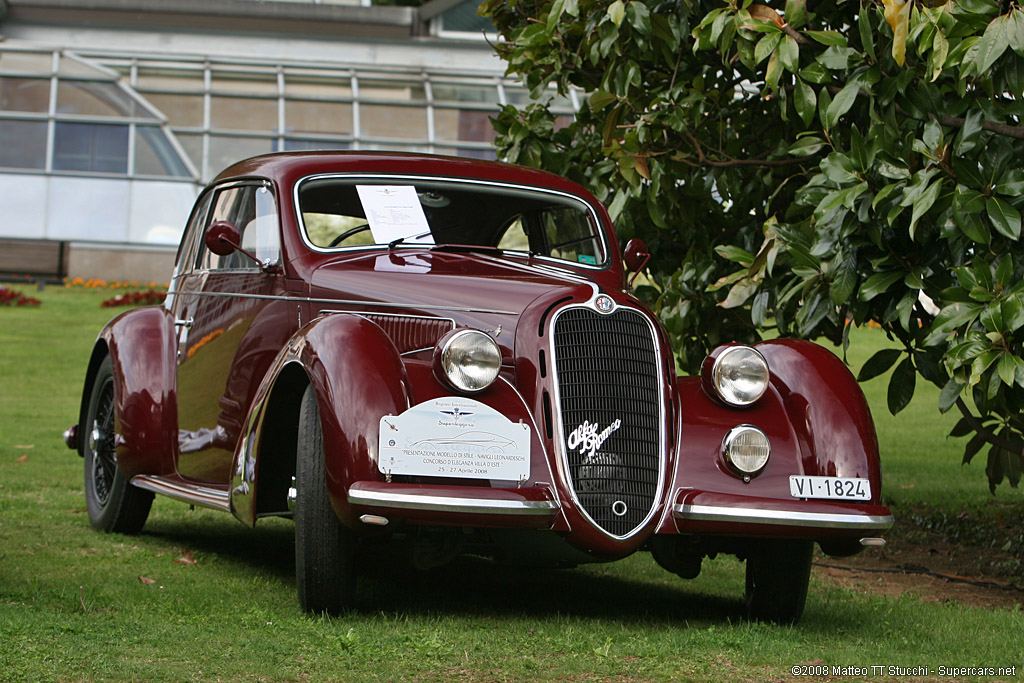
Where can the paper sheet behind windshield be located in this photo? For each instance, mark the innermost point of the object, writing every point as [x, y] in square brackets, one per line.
[394, 212]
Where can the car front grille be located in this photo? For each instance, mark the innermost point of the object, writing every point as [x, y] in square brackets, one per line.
[610, 407]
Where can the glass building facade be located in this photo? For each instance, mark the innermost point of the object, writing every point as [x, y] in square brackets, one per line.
[112, 144]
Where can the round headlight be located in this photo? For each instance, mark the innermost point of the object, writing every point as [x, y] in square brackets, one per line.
[468, 360]
[740, 375]
[746, 449]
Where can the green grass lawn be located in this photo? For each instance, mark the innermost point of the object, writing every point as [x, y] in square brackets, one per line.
[77, 605]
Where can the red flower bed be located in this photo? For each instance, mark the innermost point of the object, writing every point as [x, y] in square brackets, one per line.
[149, 297]
[9, 297]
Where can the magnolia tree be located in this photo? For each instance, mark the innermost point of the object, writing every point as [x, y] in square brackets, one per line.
[805, 167]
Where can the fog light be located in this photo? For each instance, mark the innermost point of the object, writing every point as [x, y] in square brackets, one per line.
[746, 449]
[468, 360]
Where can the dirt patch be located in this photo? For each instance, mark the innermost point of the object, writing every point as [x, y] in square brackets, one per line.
[927, 565]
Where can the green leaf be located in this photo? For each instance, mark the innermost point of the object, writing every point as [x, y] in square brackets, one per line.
[963, 427]
[1004, 217]
[735, 254]
[796, 13]
[878, 283]
[766, 46]
[1016, 31]
[955, 315]
[616, 12]
[993, 43]
[1007, 369]
[774, 71]
[867, 40]
[1013, 313]
[1011, 183]
[839, 168]
[974, 226]
[972, 448]
[969, 134]
[600, 99]
[844, 280]
[841, 104]
[806, 102]
[759, 308]
[950, 393]
[789, 54]
[878, 364]
[940, 51]
[827, 38]
[901, 386]
[923, 203]
[806, 146]
[815, 73]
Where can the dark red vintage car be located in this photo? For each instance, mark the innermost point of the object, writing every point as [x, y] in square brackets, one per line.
[446, 351]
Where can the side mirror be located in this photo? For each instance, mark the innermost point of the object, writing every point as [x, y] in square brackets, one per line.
[222, 238]
[636, 257]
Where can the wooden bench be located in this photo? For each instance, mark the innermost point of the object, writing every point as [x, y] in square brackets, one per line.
[37, 259]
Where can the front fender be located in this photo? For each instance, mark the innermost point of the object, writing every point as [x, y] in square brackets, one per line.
[818, 423]
[357, 375]
[142, 347]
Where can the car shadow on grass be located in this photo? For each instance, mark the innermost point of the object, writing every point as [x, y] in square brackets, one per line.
[467, 586]
[470, 586]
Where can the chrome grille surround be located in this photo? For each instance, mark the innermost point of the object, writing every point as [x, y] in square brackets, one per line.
[609, 413]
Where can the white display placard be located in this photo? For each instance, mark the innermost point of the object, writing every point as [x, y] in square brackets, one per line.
[454, 437]
[394, 212]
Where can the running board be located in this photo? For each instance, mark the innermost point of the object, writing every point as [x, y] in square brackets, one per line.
[187, 493]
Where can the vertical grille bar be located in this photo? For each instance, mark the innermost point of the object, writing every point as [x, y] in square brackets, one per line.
[609, 401]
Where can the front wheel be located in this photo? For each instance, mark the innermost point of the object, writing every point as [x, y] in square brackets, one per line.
[324, 549]
[778, 572]
[114, 505]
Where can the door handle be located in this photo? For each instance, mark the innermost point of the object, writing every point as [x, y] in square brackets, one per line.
[187, 324]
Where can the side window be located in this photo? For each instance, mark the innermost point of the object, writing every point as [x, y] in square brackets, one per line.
[571, 237]
[193, 236]
[253, 211]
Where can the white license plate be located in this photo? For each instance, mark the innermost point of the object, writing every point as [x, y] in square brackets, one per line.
[833, 488]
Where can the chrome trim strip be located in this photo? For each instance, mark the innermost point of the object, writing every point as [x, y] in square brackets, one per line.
[715, 513]
[431, 503]
[194, 495]
[299, 299]
[326, 311]
[563, 458]
[363, 314]
[602, 229]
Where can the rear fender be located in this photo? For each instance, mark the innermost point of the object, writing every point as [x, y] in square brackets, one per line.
[357, 375]
[142, 348]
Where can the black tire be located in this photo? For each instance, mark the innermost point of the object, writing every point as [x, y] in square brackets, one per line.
[324, 549]
[114, 505]
[778, 572]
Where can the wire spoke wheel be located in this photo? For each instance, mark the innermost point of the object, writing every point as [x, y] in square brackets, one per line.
[114, 505]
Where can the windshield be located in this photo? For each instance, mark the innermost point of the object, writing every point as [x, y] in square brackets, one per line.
[346, 212]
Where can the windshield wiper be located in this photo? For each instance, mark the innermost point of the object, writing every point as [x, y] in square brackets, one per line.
[394, 243]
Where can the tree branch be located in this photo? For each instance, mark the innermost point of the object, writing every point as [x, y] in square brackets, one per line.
[732, 163]
[1013, 446]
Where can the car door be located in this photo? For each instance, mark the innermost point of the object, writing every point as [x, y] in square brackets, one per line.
[234, 320]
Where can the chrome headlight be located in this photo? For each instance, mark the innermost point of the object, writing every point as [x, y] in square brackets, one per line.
[739, 375]
[746, 449]
[468, 360]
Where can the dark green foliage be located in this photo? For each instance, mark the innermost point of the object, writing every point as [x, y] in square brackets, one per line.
[802, 167]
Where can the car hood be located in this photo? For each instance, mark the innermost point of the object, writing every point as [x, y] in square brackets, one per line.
[473, 288]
